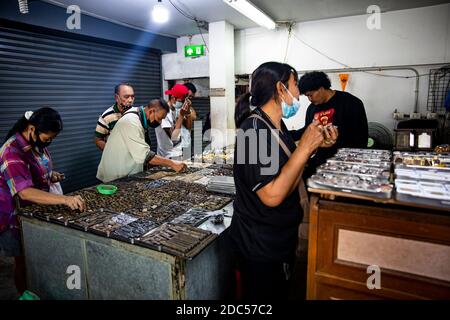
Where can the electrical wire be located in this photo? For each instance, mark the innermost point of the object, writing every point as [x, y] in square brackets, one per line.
[187, 15]
[288, 40]
[193, 18]
[201, 33]
[347, 66]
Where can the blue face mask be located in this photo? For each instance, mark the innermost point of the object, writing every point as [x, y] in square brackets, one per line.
[290, 110]
[178, 105]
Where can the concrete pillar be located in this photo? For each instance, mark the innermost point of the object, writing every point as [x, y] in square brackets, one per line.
[221, 69]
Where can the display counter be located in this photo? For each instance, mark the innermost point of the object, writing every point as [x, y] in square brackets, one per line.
[161, 236]
[368, 248]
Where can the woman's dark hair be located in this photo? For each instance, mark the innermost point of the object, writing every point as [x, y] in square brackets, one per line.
[263, 88]
[45, 120]
[312, 81]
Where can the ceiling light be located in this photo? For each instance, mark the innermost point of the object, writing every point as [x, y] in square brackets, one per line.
[23, 6]
[160, 13]
[249, 10]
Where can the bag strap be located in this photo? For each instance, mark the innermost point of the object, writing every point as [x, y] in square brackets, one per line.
[146, 137]
[304, 201]
[275, 134]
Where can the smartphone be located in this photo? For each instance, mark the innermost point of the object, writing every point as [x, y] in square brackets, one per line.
[189, 103]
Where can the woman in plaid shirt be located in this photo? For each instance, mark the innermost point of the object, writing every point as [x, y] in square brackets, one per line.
[25, 177]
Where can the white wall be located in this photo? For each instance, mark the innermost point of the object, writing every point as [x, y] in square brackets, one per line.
[176, 66]
[407, 37]
[380, 95]
[415, 36]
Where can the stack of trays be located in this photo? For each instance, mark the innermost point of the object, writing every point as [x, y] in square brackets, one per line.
[221, 184]
[357, 171]
[422, 178]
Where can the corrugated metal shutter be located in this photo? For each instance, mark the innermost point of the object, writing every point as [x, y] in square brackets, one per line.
[202, 107]
[77, 78]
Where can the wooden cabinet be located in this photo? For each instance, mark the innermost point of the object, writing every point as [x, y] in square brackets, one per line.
[410, 247]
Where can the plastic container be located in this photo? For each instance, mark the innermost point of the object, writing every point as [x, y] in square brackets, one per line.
[107, 189]
[28, 295]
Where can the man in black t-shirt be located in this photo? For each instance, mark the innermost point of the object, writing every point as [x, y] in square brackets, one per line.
[332, 107]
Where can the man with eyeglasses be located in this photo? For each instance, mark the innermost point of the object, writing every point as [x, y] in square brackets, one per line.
[124, 97]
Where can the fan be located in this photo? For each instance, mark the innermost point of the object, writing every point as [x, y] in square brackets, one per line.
[380, 137]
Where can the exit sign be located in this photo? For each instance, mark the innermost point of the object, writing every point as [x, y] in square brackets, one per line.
[194, 51]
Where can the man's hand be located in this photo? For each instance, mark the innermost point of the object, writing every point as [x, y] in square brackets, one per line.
[57, 177]
[100, 143]
[330, 135]
[312, 138]
[186, 108]
[178, 166]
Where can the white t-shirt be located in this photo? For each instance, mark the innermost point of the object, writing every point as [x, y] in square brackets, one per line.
[166, 147]
[185, 134]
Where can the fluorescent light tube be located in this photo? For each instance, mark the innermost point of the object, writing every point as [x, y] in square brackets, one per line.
[249, 10]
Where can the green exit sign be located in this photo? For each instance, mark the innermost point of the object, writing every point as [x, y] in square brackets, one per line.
[194, 51]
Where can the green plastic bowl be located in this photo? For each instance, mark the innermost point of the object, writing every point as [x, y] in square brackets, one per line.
[106, 189]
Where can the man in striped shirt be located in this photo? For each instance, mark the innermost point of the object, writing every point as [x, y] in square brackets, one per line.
[124, 96]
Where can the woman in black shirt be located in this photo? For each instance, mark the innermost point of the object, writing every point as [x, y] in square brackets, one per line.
[267, 171]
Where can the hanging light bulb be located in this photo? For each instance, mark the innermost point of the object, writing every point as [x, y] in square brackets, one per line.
[160, 14]
[23, 6]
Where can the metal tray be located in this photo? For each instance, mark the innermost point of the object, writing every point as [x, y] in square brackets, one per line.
[428, 174]
[179, 240]
[117, 221]
[365, 162]
[193, 217]
[352, 169]
[421, 160]
[136, 229]
[366, 186]
[374, 152]
[423, 189]
[90, 219]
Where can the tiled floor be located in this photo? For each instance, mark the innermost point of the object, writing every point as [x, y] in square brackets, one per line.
[7, 287]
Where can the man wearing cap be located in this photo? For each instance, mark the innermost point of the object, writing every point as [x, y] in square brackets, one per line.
[168, 134]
